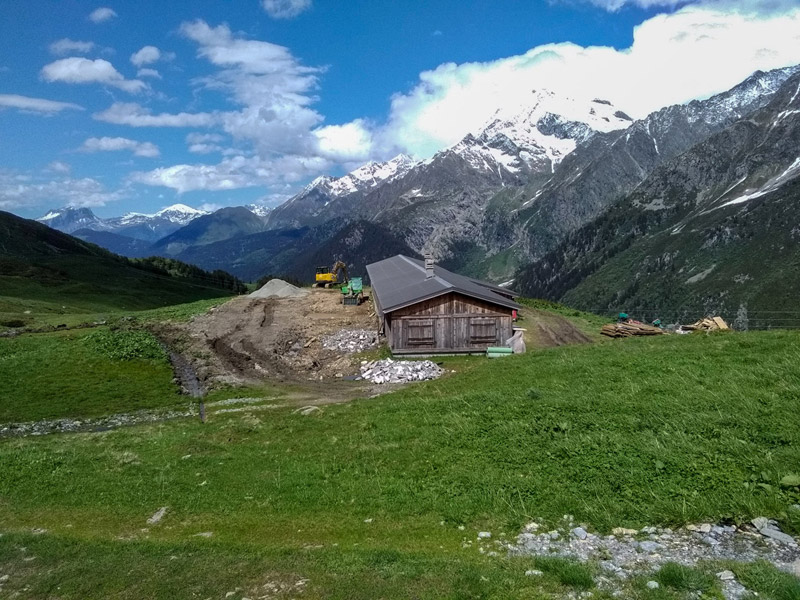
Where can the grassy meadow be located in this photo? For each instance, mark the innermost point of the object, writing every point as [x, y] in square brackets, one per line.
[377, 498]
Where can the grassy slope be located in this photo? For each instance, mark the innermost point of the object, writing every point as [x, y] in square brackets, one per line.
[60, 279]
[635, 432]
[65, 374]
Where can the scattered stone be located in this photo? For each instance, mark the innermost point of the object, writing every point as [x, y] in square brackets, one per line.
[580, 533]
[623, 531]
[704, 528]
[653, 585]
[484, 535]
[368, 520]
[778, 535]
[4, 578]
[39, 531]
[760, 523]
[307, 410]
[532, 526]
[533, 573]
[650, 546]
[399, 371]
[350, 340]
[157, 516]
[205, 534]
[726, 575]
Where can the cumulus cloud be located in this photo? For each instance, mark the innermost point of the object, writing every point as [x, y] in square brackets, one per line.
[101, 15]
[145, 56]
[135, 115]
[67, 46]
[20, 190]
[272, 87]
[35, 105]
[115, 144]
[692, 53]
[345, 143]
[84, 70]
[233, 173]
[285, 9]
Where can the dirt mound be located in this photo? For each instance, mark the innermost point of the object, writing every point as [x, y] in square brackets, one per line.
[278, 288]
[252, 339]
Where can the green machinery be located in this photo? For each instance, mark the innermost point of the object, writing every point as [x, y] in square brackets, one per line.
[353, 292]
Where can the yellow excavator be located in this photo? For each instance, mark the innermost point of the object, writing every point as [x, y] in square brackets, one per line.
[326, 277]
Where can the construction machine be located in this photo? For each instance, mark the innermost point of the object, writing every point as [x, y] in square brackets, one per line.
[326, 277]
[353, 292]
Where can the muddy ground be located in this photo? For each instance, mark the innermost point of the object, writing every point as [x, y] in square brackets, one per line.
[249, 340]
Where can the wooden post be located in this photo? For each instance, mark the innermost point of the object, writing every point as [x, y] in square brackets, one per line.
[202, 411]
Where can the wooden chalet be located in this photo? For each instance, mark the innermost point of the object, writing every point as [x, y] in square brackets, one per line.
[425, 309]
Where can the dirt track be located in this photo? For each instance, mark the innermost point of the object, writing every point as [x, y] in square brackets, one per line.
[249, 339]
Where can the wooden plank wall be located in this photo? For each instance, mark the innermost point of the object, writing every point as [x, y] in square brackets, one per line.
[452, 322]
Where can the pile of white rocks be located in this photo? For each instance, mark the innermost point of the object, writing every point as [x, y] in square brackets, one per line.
[399, 371]
[350, 340]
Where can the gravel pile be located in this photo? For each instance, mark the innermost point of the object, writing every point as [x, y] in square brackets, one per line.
[278, 288]
[399, 371]
[350, 340]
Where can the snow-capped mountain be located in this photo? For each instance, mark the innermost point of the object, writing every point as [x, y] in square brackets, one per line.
[152, 227]
[148, 227]
[538, 135]
[259, 210]
[70, 219]
[368, 176]
[313, 200]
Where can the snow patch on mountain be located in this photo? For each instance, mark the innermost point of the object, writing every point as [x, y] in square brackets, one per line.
[180, 214]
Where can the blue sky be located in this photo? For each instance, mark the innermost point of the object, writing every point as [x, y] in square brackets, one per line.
[127, 106]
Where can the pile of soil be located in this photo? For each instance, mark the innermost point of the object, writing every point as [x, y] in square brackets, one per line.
[252, 339]
[278, 288]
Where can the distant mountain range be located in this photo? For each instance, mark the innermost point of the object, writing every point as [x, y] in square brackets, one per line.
[543, 194]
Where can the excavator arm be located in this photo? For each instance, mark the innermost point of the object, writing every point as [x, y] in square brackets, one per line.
[340, 266]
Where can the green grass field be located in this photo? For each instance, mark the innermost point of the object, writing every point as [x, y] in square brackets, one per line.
[368, 499]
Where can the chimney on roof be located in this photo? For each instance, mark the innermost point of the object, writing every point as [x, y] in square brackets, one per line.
[428, 266]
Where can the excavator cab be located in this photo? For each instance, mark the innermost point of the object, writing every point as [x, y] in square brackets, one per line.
[326, 277]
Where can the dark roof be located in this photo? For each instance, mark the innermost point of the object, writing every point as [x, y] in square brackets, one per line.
[400, 281]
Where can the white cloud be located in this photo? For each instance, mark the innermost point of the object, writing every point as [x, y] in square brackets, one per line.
[233, 173]
[145, 56]
[148, 73]
[285, 9]
[58, 166]
[18, 190]
[204, 143]
[84, 70]
[692, 53]
[273, 88]
[101, 15]
[68, 46]
[114, 144]
[134, 115]
[37, 105]
[345, 143]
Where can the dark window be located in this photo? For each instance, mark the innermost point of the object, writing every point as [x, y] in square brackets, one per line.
[482, 331]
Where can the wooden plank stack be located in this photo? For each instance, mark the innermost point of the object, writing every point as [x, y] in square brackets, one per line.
[629, 329]
[707, 324]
